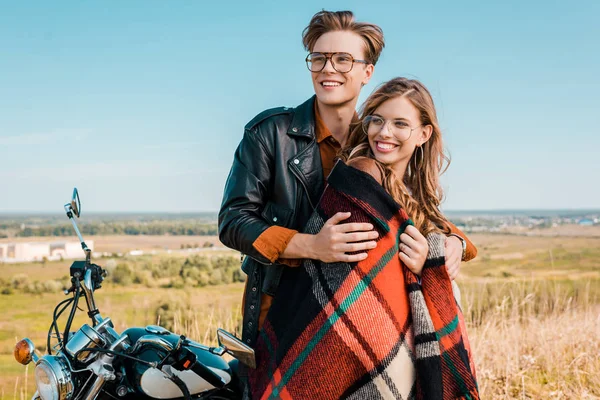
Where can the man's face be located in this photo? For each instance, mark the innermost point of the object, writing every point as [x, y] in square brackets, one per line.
[335, 88]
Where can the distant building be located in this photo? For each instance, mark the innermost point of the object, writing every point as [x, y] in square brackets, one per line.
[586, 222]
[38, 251]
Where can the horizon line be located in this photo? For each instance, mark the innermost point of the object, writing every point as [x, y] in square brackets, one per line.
[453, 210]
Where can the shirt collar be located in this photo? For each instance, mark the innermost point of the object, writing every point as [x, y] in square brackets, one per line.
[321, 130]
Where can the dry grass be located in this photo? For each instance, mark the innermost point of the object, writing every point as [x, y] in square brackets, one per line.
[536, 340]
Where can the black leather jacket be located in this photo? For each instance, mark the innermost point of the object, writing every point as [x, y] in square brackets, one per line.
[276, 179]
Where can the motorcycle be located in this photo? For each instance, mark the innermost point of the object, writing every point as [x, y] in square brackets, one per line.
[140, 363]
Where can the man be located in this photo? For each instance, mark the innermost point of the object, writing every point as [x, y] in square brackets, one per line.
[280, 166]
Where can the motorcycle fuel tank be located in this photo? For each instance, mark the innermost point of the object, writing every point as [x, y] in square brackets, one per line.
[154, 383]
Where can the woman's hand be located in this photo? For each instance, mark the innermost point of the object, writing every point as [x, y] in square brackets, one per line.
[413, 249]
[454, 251]
[335, 240]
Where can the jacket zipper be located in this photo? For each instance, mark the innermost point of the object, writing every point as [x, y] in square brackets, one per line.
[296, 172]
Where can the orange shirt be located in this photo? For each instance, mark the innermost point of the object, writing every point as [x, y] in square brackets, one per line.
[328, 145]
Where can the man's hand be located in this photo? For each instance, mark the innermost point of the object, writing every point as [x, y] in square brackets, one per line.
[453, 256]
[413, 249]
[335, 240]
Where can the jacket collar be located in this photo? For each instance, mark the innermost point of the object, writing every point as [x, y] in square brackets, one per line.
[303, 123]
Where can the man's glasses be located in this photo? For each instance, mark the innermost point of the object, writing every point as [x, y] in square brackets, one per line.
[341, 62]
[373, 124]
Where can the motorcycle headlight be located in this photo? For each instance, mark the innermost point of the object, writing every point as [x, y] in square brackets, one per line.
[53, 378]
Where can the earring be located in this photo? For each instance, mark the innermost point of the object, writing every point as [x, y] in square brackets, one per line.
[418, 163]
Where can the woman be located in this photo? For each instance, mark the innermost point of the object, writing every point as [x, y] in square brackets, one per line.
[398, 141]
[387, 326]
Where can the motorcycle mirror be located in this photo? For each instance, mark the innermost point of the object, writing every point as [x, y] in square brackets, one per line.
[236, 348]
[25, 352]
[76, 203]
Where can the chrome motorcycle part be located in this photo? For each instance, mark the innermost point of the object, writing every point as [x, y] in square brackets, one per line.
[103, 368]
[53, 378]
[152, 341]
[76, 203]
[104, 371]
[157, 330]
[86, 338]
[74, 207]
[105, 327]
[236, 348]
[88, 289]
[195, 345]
[122, 391]
[25, 352]
[106, 322]
[95, 389]
[122, 343]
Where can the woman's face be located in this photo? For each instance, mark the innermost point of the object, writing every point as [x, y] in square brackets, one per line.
[394, 131]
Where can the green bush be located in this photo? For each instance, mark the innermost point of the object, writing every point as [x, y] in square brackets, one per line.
[166, 268]
[143, 277]
[123, 275]
[19, 281]
[204, 279]
[216, 277]
[49, 286]
[194, 271]
[176, 283]
[200, 262]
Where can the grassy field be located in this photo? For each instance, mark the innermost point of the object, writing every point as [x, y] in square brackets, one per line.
[532, 305]
[125, 243]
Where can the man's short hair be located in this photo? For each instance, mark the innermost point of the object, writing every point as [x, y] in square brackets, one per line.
[330, 21]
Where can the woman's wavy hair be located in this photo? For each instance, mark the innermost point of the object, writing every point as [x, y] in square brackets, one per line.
[422, 200]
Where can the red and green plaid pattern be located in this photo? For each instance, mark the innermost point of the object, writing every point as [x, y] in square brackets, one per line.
[363, 330]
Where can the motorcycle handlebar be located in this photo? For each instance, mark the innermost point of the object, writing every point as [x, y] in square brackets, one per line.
[208, 375]
[186, 359]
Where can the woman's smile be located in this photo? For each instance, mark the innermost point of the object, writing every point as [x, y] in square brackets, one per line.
[385, 147]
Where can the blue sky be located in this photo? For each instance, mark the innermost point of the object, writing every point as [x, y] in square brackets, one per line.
[141, 104]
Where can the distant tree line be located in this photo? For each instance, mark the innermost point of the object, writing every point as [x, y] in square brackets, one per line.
[175, 228]
[166, 272]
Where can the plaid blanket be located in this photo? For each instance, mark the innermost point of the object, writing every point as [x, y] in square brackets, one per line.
[365, 330]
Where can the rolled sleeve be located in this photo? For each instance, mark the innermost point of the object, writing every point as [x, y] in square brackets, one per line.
[273, 242]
